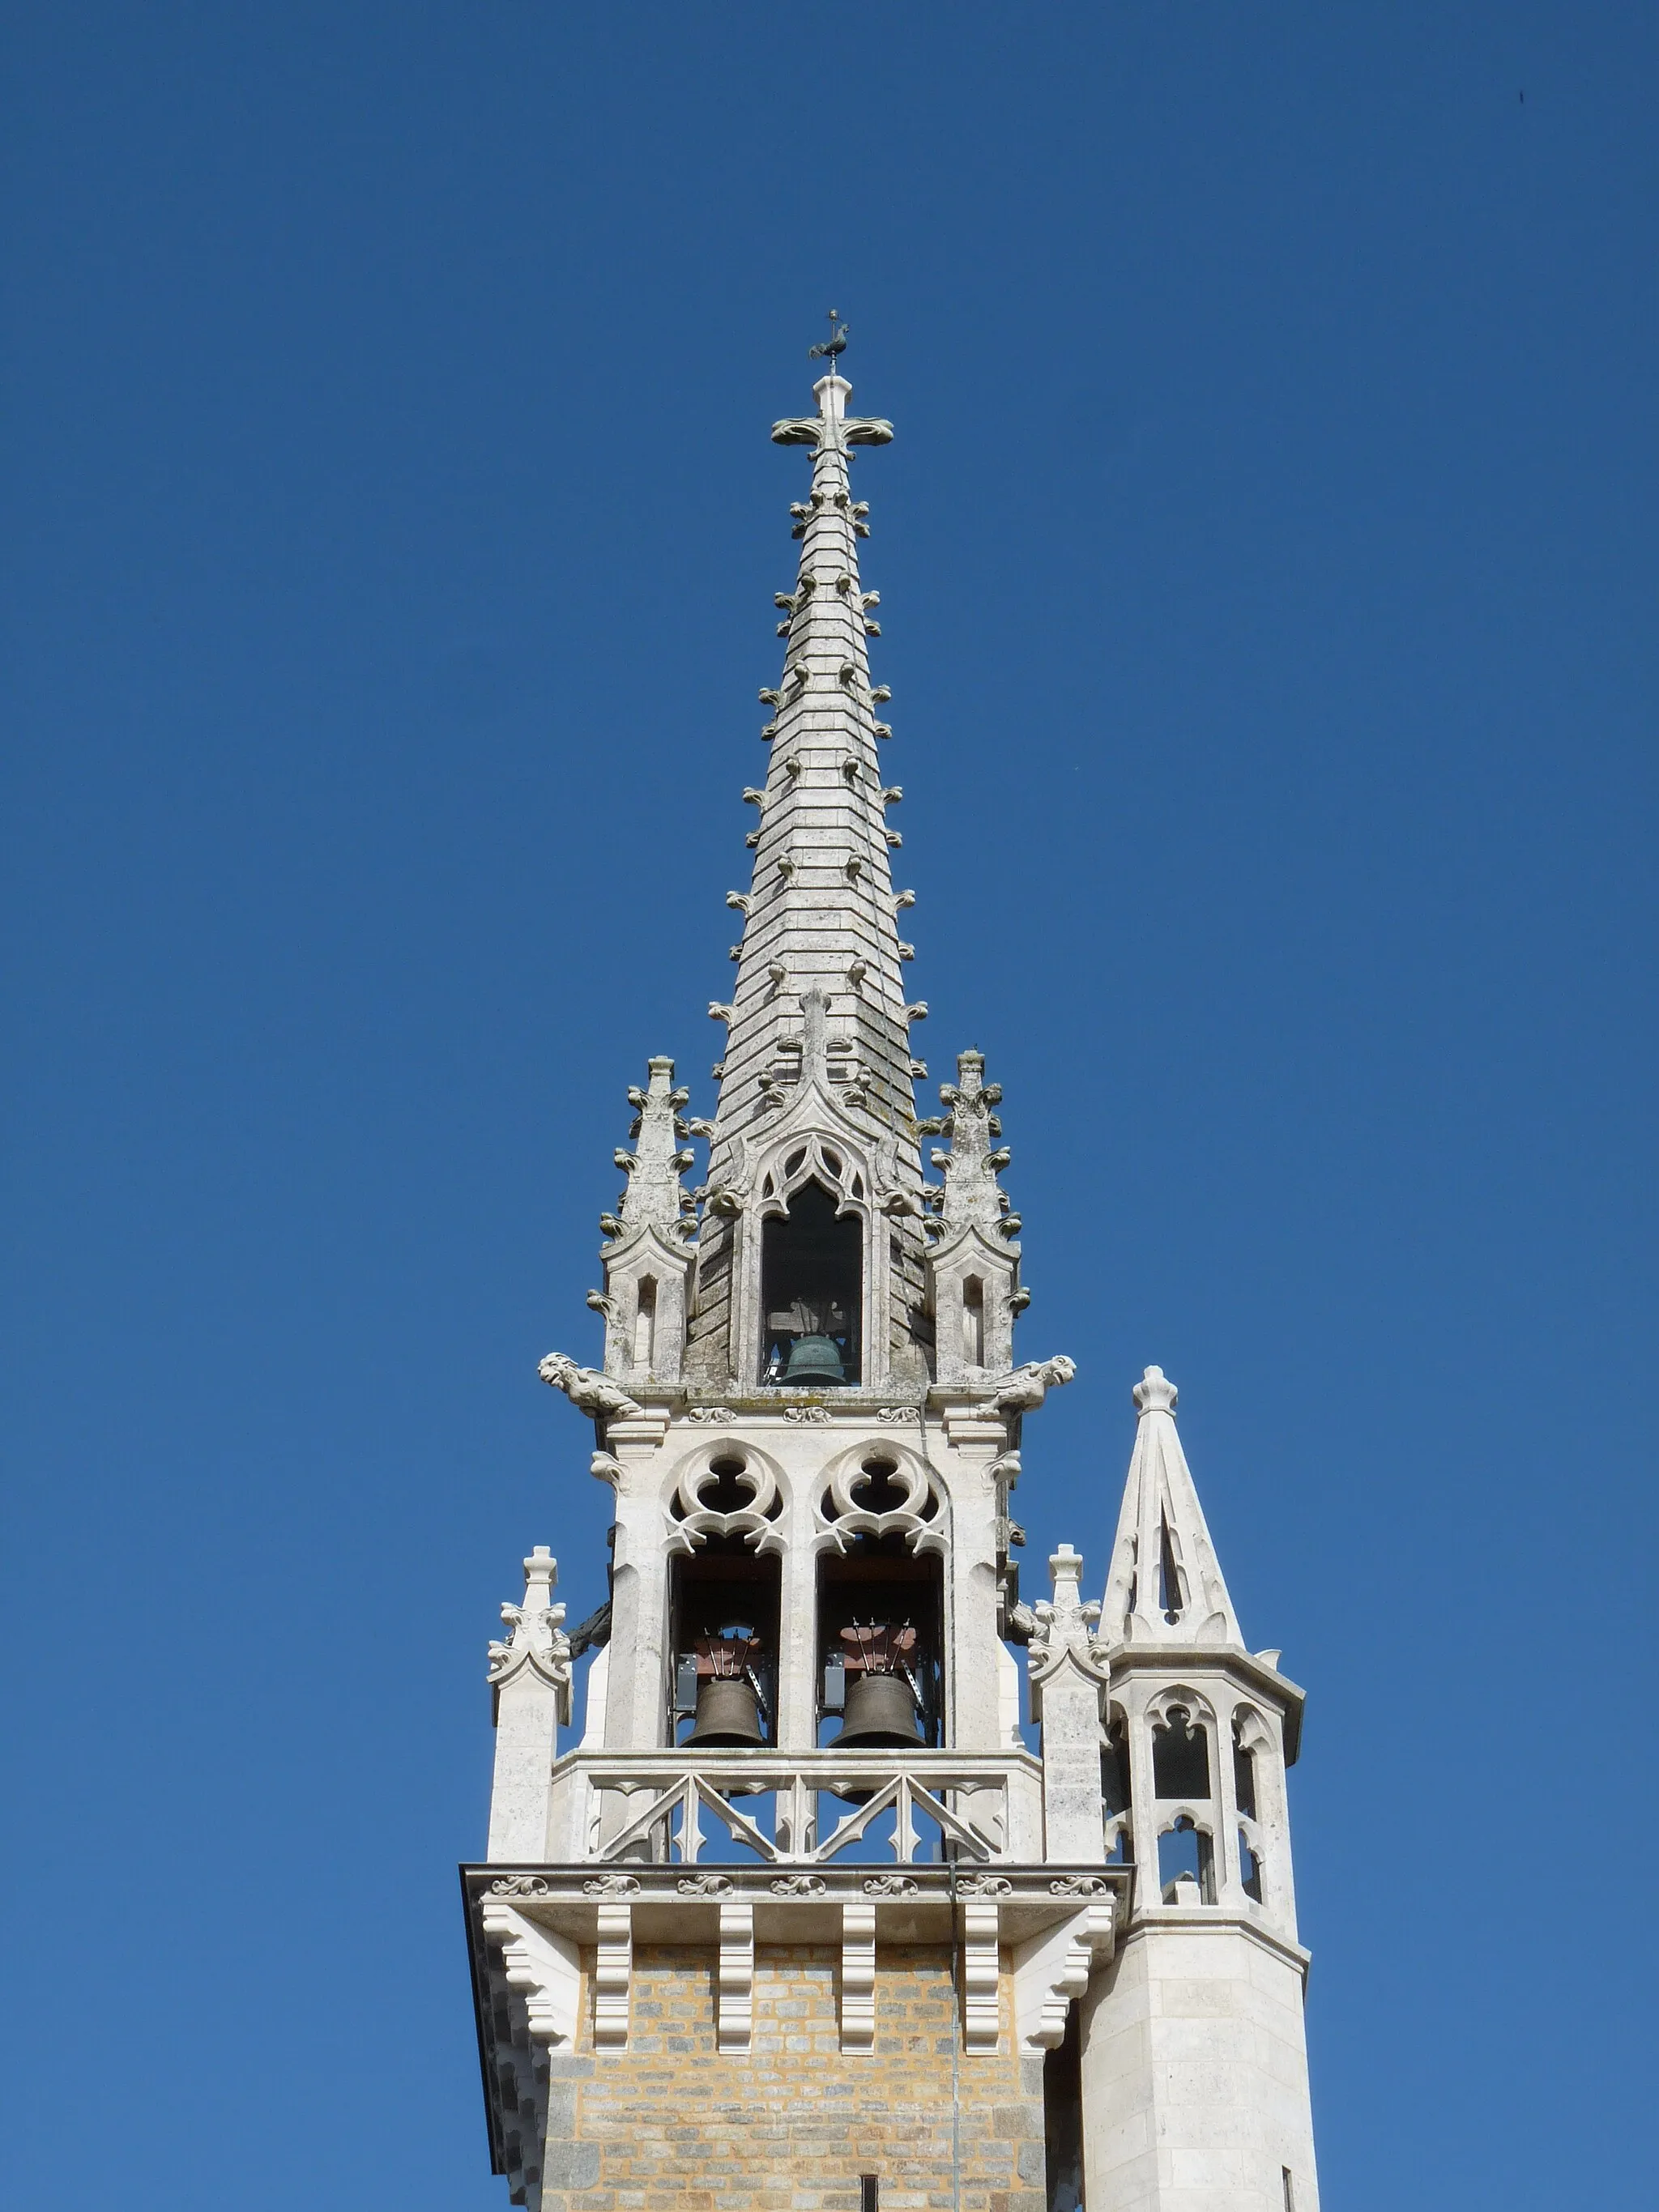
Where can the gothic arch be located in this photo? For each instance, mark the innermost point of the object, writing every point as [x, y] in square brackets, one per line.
[1163, 1703]
[809, 1155]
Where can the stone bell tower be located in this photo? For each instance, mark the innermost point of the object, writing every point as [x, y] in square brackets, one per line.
[801, 1918]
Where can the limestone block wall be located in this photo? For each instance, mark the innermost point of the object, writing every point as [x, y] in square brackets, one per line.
[671, 2125]
[1195, 2074]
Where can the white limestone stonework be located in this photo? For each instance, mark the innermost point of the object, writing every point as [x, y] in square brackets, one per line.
[1195, 2072]
[810, 1415]
[1194, 2057]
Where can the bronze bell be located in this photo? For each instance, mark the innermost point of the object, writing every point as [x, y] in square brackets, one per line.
[728, 1712]
[880, 1713]
[814, 1359]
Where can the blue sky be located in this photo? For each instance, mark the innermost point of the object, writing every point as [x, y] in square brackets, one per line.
[1266, 563]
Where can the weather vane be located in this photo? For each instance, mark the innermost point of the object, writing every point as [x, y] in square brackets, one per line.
[834, 346]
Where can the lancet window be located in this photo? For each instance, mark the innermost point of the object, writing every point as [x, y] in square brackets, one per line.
[812, 1269]
[1186, 1864]
[1115, 1790]
[1181, 1756]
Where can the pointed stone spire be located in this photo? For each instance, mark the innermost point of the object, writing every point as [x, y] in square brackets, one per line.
[818, 994]
[1166, 1586]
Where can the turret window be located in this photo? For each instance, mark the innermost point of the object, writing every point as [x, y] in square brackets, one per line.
[1250, 1869]
[1181, 1756]
[1115, 1794]
[973, 1322]
[1115, 1770]
[645, 1323]
[1186, 1864]
[811, 1292]
[1244, 1777]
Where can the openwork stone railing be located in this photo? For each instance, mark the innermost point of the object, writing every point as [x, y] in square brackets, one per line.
[982, 1806]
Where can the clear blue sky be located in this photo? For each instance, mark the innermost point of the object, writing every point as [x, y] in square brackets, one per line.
[1266, 560]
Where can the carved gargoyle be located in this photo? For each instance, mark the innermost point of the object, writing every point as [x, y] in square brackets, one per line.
[588, 1391]
[1023, 1389]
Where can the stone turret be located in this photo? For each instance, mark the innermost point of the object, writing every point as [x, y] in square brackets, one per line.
[1194, 2060]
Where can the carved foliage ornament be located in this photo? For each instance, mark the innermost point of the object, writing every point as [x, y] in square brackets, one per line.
[537, 1644]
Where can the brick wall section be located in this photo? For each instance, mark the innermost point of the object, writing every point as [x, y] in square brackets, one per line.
[670, 2125]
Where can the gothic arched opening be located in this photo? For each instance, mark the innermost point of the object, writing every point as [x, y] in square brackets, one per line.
[1243, 1775]
[880, 1646]
[811, 1292]
[724, 1606]
[1249, 1868]
[1186, 1864]
[1181, 1756]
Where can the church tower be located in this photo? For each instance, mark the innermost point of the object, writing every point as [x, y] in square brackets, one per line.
[864, 1883]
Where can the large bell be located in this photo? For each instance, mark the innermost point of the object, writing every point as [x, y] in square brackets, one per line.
[728, 1712]
[815, 1360]
[880, 1713]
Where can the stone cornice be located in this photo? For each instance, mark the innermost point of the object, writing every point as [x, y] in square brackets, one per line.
[1213, 1920]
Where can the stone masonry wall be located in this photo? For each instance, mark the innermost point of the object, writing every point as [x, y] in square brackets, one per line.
[670, 2125]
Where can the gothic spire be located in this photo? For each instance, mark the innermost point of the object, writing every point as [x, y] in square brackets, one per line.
[1165, 1585]
[819, 997]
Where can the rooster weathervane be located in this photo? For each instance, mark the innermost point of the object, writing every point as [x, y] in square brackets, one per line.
[834, 346]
